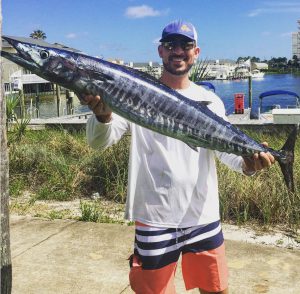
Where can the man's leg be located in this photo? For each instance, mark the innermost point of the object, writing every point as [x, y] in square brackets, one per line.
[153, 264]
[158, 281]
[204, 263]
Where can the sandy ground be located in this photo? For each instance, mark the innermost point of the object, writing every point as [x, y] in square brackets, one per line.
[112, 212]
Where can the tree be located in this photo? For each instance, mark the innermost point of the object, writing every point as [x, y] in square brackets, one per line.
[6, 268]
[295, 61]
[38, 34]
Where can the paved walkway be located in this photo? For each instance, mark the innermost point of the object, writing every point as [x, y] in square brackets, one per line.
[64, 256]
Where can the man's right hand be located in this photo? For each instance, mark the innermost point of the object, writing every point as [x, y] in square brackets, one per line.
[102, 112]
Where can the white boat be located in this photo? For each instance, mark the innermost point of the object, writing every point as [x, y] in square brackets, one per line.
[257, 74]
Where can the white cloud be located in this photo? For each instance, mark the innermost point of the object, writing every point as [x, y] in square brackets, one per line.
[265, 33]
[288, 34]
[143, 11]
[156, 41]
[255, 12]
[278, 7]
[71, 36]
[76, 35]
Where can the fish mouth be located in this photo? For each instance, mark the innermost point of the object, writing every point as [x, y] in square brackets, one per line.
[21, 57]
[18, 59]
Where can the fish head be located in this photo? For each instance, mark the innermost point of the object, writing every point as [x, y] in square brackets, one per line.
[53, 64]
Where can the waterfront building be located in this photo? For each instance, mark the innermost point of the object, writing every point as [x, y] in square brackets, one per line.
[220, 69]
[296, 42]
[152, 68]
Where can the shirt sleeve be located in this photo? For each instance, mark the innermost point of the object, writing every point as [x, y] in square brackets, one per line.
[102, 135]
[233, 161]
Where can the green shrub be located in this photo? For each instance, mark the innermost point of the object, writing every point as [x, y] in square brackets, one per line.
[53, 164]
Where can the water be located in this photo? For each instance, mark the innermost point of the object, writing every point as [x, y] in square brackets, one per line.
[48, 107]
[224, 89]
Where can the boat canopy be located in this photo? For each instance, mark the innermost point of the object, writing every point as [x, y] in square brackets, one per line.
[278, 92]
[207, 84]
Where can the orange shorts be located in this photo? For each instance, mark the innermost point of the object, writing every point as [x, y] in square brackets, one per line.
[157, 251]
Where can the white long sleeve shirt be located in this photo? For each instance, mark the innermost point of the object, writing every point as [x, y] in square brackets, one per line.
[170, 184]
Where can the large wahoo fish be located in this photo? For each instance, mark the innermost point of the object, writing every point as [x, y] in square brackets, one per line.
[143, 100]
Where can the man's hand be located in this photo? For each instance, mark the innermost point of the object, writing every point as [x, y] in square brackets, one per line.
[102, 112]
[258, 162]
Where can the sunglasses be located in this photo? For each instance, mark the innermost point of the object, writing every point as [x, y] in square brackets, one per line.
[184, 45]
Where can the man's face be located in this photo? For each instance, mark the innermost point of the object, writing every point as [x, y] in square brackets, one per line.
[178, 54]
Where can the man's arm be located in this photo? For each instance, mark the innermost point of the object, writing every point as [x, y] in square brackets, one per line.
[247, 165]
[258, 162]
[104, 128]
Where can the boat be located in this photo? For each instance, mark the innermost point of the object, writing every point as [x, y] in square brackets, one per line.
[257, 74]
[286, 112]
[284, 94]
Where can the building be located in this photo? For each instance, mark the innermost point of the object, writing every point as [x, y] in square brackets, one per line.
[259, 65]
[296, 42]
[220, 69]
[152, 68]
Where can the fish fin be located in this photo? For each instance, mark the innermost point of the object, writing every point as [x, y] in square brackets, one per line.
[192, 146]
[286, 165]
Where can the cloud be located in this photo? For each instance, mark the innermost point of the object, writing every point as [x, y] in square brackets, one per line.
[156, 41]
[288, 34]
[277, 7]
[71, 36]
[265, 33]
[76, 35]
[143, 11]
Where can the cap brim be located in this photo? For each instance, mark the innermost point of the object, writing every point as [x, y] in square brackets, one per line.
[169, 36]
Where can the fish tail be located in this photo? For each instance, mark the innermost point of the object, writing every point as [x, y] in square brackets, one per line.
[287, 163]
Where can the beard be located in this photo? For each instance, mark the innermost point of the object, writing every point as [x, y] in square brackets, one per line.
[176, 71]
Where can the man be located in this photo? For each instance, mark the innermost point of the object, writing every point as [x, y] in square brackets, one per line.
[173, 189]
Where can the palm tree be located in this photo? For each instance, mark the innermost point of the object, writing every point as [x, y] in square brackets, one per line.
[38, 34]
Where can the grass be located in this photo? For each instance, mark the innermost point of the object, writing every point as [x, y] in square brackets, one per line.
[56, 165]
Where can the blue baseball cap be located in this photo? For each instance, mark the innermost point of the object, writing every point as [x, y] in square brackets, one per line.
[179, 27]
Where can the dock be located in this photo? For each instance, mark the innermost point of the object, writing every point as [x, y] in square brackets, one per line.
[278, 121]
[68, 122]
[267, 122]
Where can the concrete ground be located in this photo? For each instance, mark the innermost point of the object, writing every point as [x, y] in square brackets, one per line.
[67, 256]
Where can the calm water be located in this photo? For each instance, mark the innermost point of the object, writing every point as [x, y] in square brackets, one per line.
[225, 89]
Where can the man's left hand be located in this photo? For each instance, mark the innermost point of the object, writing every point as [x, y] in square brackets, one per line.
[258, 161]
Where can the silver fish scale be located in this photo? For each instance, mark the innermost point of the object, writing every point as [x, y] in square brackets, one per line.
[170, 115]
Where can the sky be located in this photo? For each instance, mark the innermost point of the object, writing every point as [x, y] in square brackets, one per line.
[130, 29]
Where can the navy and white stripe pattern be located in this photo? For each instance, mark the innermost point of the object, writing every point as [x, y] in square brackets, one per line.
[158, 247]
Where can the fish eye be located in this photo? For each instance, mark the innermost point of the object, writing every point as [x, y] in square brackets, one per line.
[44, 54]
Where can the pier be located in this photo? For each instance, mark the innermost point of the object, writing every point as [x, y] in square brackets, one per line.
[267, 122]
[74, 122]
